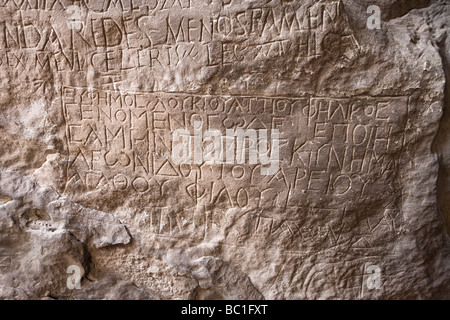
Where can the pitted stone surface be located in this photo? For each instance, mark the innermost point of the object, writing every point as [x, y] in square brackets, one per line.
[224, 149]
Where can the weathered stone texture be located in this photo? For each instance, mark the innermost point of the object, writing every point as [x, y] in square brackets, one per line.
[343, 168]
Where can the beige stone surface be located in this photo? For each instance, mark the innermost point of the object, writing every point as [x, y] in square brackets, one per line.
[338, 187]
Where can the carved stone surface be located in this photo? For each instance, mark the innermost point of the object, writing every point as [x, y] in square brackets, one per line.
[224, 149]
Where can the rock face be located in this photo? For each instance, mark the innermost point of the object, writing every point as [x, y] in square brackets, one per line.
[224, 149]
